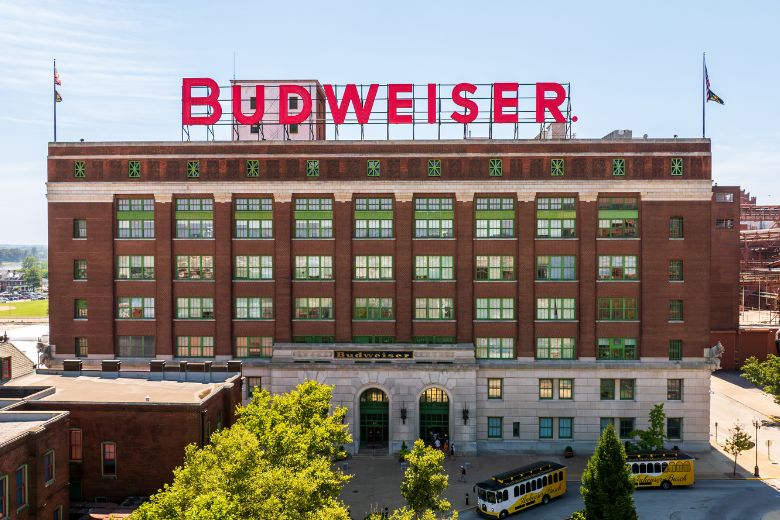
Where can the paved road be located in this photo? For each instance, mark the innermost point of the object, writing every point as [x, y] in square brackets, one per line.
[707, 500]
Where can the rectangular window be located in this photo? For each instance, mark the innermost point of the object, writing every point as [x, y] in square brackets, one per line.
[617, 309]
[108, 458]
[724, 197]
[79, 228]
[194, 346]
[4, 497]
[313, 309]
[626, 427]
[565, 427]
[135, 346]
[555, 348]
[619, 167]
[677, 166]
[566, 389]
[607, 389]
[253, 268]
[194, 218]
[253, 308]
[495, 427]
[557, 167]
[675, 349]
[253, 346]
[555, 309]
[604, 422]
[313, 218]
[135, 267]
[545, 389]
[724, 223]
[618, 217]
[194, 267]
[135, 218]
[494, 348]
[374, 218]
[253, 383]
[495, 308]
[434, 309]
[676, 227]
[21, 487]
[495, 387]
[433, 218]
[675, 270]
[373, 309]
[545, 427]
[82, 347]
[373, 268]
[674, 427]
[515, 429]
[76, 445]
[313, 267]
[556, 217]
[674, 389]
[617, 348]
[194, 308]
[135, 308]
[57, 513]
[627, 389]
[79, 269]
[495, 217]
[253, 218]
[80, 309]
[433, 268]
[494, 268]
[675, 310]
[5, 369]
[49, 473]
[495, 168]
[618, 268]
[555, 268]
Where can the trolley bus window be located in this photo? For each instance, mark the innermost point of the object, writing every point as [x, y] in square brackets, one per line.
[506, 494]
[522, 489]
[544, 481]
[642, 468]
[517, 491]
[481, 493]
[664, 465]
[634, 468]
[491, 497]
[560, 476]
[657, 467]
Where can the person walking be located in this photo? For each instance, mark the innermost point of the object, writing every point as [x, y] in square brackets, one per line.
[462, 473]
[437, 444]
[452, 450]
[446, 448]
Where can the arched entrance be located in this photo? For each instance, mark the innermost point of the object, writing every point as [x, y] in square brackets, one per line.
[434, 415]
[374, 418]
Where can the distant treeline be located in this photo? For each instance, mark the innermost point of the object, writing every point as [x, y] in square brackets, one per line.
[19, 253]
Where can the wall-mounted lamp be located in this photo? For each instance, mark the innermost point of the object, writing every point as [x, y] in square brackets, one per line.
[403, 413]
[465, 416]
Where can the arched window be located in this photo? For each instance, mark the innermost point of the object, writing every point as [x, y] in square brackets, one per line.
[634, 468]
[373, 395]
[664, 466]
[533, 485]
[517, 491]
[522, 489]
[506, 494]
[544, 481]
[434, 395]
[642, 468]
[657, 467]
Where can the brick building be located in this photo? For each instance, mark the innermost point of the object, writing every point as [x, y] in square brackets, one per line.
[512, 295]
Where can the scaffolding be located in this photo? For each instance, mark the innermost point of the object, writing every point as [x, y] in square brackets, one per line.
[759, 278]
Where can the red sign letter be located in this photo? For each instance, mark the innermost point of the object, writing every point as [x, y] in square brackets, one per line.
[500, 102]
[393, 103]
[552, 104]
[432, 102]
[187, 101]
[238, 114]
[339, 111]
[468, 104]
[284, 104]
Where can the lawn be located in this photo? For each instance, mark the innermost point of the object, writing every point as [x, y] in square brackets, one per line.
[32, 309]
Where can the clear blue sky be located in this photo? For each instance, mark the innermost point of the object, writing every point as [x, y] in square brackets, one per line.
[631, 65]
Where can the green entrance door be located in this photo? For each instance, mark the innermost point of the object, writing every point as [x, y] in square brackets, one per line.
[374, 417]
[434, 415]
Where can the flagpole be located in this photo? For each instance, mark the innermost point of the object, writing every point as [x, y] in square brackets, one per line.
[54, 97]
[703, 94]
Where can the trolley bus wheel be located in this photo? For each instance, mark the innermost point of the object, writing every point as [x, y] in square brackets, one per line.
[666, 485]
[503, 514]
[545, 500]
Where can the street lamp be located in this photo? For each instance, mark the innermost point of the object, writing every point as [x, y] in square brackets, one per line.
[757, 425]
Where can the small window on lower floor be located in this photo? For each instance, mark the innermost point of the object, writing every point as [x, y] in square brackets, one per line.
[252, 383]
[674, 428]
[626, 427]
[545, 428]
[108, 459]
[515, 429]
[495, 427]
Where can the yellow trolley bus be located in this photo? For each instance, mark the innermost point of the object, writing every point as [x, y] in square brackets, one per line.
[661, 469]
[519, 489]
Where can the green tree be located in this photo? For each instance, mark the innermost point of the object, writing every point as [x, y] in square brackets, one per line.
[275, 462]
[652, 439]
[32, 271]
[765, 374]
[607, 488]
[738, 442]
[424, 481]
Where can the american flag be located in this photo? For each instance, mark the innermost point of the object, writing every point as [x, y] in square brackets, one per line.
[711, 96]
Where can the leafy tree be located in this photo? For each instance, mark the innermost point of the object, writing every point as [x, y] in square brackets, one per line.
[765, 374]
[652, 439]
[738, 442]
[607, 488]
[424, 481]
[274, 462]
[32, 271]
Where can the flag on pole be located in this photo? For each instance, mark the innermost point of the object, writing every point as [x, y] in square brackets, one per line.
[57, 78]
[711, 96]
[57, 97]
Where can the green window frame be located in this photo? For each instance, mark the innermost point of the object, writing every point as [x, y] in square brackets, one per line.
[373, 267]
[434, 167]
[557, 167]
[675, 310]
[556, 309]
[604, 422]
[194, 346]
[373, 217]
[434, 309]
[495, 427]
[253, 347]
[674, 428]
[313, 309]
[566, 389]
[676, 270]
[194, 308]
[135, 218]
[194, 267]
[79, 228]
[545, 427]
[135, 346]
[618, 217]
[618, 268]
[618, 228]
[617, 309]
[135, 267]
[495, 388]
[247, 267]
[494, 268]
[494, 217]
[617, 349]
[626, 427]
[80, 309]
[81, 346]
[373, 168]
[677, 166]
[313, 168]
[373, 309]
[627, 389]
[134, 169]
[134, 308]
[618, 167]
[434, 217]
[80, 269]
[676, 227]
[556, 217]
[253, 308]
[494, 348]
[253, 218]
[49, 468]
[495, 308]
[674, 389]
[195, 218]
[252, 168]
[565, 427]
[556, 348]
[495, 167]
[546, 389]
[675, 349]
[193, 169]
[557, 268]
[433, 268]
[79, 170]
[313, 268]
[607, 389]
[433, 340]
[373, 340]
[21, 487]
[313, 218]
